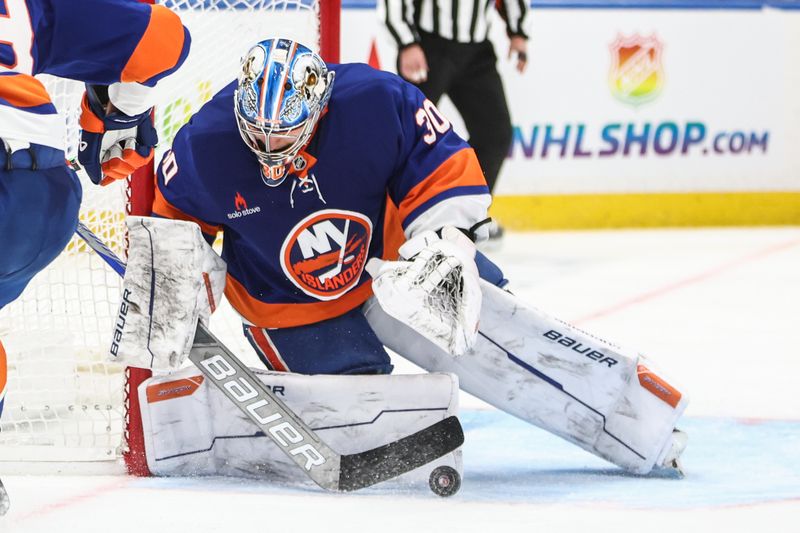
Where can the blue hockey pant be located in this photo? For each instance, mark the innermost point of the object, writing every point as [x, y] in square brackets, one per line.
[39, 201]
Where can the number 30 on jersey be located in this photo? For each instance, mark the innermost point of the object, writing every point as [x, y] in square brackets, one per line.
[433, 121]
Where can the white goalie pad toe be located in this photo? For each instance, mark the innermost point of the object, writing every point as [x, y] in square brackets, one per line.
[192, 429]
[173, 279]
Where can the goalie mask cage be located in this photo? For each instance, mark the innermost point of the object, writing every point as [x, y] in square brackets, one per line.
[66, 405]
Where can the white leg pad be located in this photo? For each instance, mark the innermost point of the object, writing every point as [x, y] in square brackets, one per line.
[544, 371]
[192, 429]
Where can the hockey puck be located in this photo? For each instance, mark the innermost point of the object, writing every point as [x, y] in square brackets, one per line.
[444, 481]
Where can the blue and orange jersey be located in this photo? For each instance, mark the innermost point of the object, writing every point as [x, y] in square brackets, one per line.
[94, 41]
[382, 165]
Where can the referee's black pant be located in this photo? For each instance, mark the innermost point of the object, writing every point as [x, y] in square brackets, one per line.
[467, 73]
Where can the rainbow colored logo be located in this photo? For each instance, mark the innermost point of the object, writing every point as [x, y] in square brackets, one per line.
[637, 73]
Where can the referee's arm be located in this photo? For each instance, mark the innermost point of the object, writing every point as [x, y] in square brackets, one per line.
[515, 15]
[399, 21]
[411, 62]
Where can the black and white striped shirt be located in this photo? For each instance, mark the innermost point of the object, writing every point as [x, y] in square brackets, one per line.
[465, 21]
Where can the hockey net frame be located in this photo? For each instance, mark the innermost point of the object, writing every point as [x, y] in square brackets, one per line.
[135, 197]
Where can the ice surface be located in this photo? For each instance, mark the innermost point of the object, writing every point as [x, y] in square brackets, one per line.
[717, 309]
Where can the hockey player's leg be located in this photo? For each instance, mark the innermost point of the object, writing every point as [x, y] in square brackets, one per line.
[478, 95]
[191, 429]
[590, 392]
[39, 201]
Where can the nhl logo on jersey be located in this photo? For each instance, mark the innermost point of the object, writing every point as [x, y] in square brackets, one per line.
[325, 253]
[299, 163]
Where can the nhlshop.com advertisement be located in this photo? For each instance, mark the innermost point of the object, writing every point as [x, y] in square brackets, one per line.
[643, 99]
[650, 100]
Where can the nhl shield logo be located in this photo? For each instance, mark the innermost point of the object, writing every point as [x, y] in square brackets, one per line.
[325, 253]
[637, 74]
[299, 164]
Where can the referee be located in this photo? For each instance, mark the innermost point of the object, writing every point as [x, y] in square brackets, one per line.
[443, 48]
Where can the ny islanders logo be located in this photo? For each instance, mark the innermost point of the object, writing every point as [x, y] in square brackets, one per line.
[325, 253]
[637, 74]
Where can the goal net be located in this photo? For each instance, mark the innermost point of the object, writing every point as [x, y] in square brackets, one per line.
[65, 403]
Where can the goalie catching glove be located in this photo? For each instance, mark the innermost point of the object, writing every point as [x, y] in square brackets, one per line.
[434, 288]
[173, 279]
[115, 144]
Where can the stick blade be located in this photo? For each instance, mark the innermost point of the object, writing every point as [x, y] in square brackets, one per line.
[363, 469]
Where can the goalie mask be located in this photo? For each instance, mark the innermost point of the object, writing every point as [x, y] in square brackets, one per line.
[283, 88]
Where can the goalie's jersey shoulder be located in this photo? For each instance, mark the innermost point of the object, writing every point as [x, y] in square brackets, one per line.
[362, 91]
[373, 108]
[387, 123]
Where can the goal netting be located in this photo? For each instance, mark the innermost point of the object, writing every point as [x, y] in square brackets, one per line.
[65, 403]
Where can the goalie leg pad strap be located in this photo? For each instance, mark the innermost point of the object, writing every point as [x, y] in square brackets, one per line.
[599, 396]
[191, 429]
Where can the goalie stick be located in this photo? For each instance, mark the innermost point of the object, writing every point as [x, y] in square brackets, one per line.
[327, 468]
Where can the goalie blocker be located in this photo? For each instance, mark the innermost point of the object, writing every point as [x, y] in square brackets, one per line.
[173, 279]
